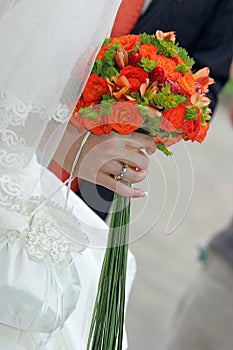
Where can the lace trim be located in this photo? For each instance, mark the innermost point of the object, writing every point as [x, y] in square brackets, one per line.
[46, 236]
[14, 114]
[11, 193]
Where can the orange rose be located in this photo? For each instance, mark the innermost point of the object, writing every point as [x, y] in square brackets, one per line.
[202, 132]
[103, 49]
[94, 89]
[128, 42]
[177, 60]
[191, 128]
[173, 118]
[125, 117]
[187, 83]
[98, 126]
[168, 66]
[136, 76]
[148, 50]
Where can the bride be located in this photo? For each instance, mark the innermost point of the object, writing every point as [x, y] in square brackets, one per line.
[51, 243]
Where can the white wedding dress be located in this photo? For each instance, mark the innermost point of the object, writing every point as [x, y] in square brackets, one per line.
[48, 270]
[74, 334]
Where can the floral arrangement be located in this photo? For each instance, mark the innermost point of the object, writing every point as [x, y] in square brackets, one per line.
[141, 83]
[145, 82]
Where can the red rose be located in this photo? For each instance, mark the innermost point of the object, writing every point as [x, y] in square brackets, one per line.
[79, 105]
[173, 118]
[191, 128]
[136, 76]
[98, 126]
[125, 117]
[148, 50]
[77, 121]
[202, 132]
[94, 89]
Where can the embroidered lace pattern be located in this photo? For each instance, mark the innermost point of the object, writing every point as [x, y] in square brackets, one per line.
[44, 236]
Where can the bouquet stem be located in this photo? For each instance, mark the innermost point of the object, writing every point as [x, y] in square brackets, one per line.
[106, 331]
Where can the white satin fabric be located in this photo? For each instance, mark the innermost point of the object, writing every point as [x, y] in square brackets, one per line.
[88, 263]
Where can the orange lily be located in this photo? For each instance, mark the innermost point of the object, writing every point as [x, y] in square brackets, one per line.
[143, 87]
[121, 58]
[168, 35]
[199, 100]
[120, 87]
[202, 77]
[152, 91]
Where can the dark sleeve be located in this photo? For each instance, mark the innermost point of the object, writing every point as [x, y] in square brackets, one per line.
[216, 50]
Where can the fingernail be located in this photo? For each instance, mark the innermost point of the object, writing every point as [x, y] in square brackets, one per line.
[142, 194]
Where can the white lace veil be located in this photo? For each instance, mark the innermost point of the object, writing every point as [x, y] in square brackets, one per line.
[47, 48]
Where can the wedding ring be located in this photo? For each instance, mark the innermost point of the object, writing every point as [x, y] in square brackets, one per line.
[122, 172]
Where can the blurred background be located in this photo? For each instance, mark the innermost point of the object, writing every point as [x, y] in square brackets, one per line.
[167, 263]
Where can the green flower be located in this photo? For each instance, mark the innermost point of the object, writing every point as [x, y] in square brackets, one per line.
[166, 99]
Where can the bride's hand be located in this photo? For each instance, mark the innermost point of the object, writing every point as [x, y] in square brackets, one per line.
[102, 158]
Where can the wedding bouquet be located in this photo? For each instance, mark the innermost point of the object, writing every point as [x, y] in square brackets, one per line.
[142, 83]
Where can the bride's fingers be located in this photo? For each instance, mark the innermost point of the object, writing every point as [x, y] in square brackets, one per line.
[135, 159]
[139, 140]
[113, 167]
[135, 176]
[131, 175]
[120, 188]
